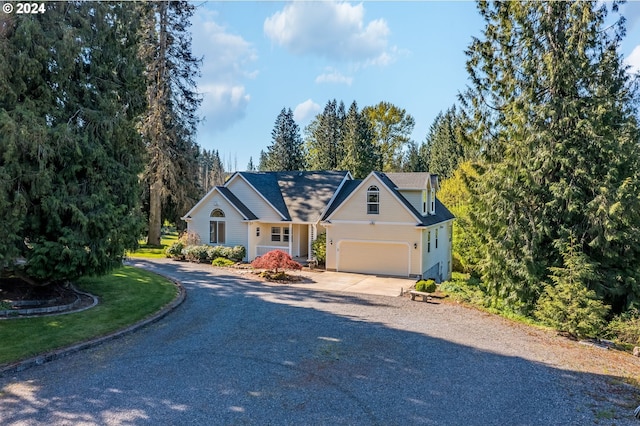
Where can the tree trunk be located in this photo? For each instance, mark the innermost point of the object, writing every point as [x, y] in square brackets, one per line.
[155, 215]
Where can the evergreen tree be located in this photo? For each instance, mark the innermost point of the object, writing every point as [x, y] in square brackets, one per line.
[391, 127]
[323, 138]
[263, 162]
[70, 94]
[286, 151]
[250, 166]
[414, 160]
[361, 154]
[171, 121]
[445, 144]
[569, 305]
[552, 105]
[212, 171]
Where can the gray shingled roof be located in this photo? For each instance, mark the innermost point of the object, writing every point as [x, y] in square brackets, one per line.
[417, 180]
[306, 194]
[266, 184]
[442, 213]
[298, 196]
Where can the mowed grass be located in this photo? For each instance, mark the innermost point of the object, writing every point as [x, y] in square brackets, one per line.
[147, 251]
[127, 296]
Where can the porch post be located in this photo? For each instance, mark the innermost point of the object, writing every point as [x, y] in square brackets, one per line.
[311, 238]
[290, 240]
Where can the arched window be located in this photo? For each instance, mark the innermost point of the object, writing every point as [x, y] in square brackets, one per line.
[217, 227]
[373, 200]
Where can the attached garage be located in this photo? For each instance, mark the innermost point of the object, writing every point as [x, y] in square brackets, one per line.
[367, 257]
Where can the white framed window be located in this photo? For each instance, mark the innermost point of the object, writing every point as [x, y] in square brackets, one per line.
[217, 227]
[424, 201]
[280, 233]
[428, 241]
[373, 200]
[433, 201]
[436, 238]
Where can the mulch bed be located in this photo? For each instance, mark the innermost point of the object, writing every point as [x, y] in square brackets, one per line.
[17, 296]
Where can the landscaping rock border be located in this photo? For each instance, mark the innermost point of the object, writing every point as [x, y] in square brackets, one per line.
[69, 308]
[61, 353]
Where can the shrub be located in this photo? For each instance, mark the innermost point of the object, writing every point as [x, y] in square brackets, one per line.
[189, 238]
[238, 253]
[569, 305]
[465, 288]
[204, 253]
[625, 328]
[174, 251]
[427, 286]
[274, 260]
[319, 248]
[214, 252]
[197, 254]
[222, 261]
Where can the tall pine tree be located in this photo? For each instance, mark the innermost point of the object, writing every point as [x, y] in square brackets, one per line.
[445, 144]
[324, 137]
[361, 154]
[286, 150]
[553, 110]
[170, 124]
[70, 95]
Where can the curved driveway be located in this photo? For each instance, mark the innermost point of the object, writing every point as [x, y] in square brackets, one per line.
[242, 352]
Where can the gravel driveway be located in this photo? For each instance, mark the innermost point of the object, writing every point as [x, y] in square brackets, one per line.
[243, 352]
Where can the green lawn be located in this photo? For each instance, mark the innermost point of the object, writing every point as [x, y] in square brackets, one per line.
[153, 252]
[127, 296]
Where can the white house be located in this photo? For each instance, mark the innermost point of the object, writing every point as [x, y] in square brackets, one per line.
[386, 224]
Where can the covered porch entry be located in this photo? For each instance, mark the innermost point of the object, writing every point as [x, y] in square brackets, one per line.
[292, 238]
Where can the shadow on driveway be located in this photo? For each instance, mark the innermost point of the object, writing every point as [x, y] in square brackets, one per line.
[241, 352]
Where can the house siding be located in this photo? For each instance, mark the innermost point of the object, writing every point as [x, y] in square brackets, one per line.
[414, 198]
[253, 200]
[355, 208]
[235, 227]
[436, 263]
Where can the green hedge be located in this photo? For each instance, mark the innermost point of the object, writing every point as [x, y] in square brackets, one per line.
[204, 253]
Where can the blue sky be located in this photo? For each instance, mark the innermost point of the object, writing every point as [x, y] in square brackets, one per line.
[262, 56]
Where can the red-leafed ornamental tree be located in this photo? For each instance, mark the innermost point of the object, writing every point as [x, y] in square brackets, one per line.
[274, 260]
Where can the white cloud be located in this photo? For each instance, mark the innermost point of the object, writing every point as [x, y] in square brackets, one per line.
[332, 29]
[227, 64]
[223, 104]
[334, 76]
[633, 60]
[305, 111]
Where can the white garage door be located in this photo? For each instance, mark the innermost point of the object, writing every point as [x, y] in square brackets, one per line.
[373, 258]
